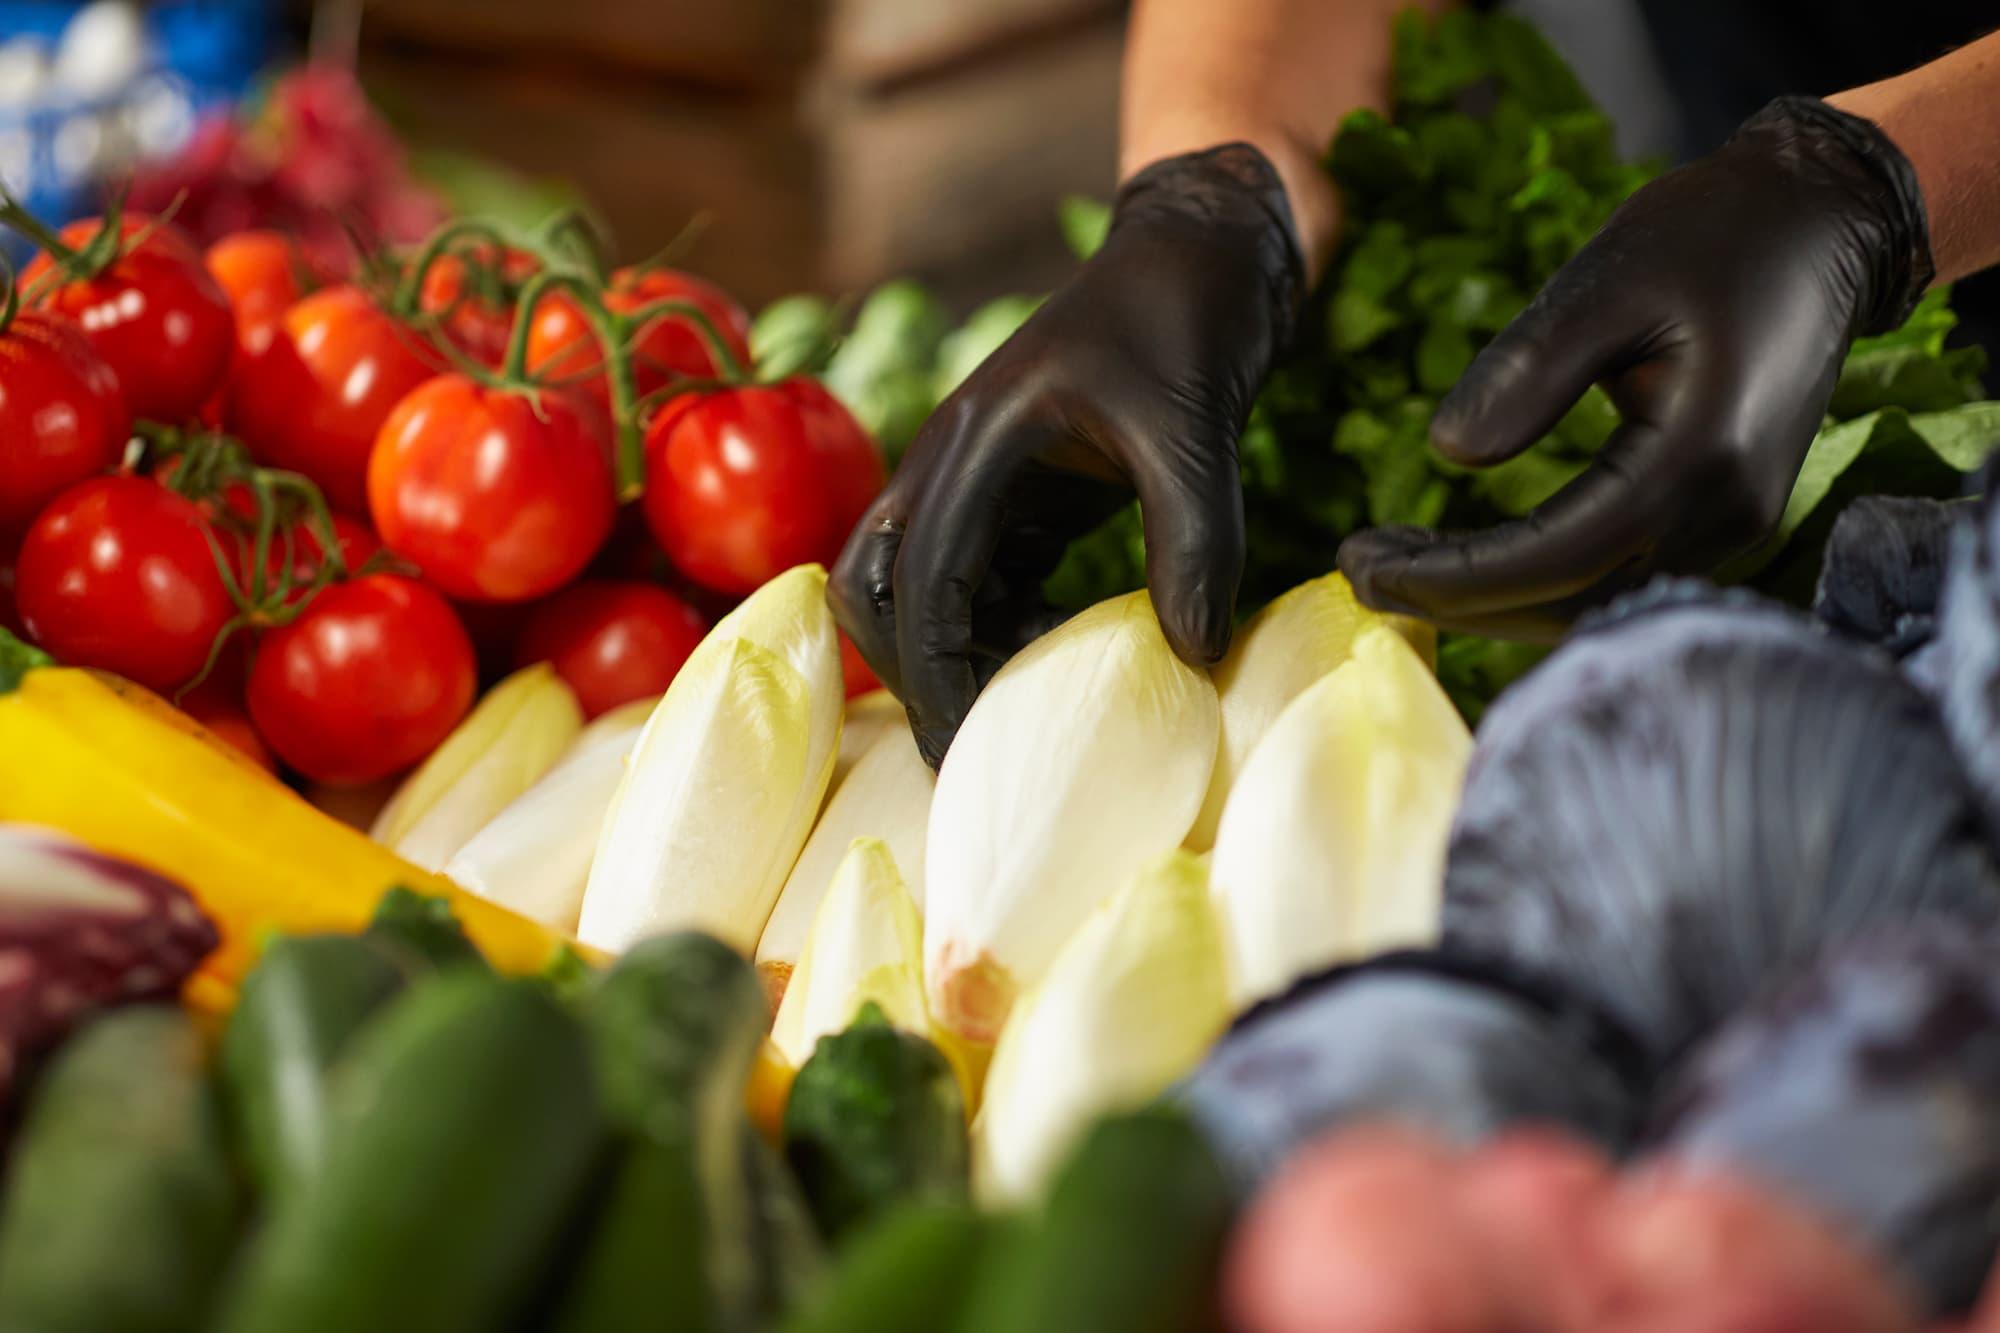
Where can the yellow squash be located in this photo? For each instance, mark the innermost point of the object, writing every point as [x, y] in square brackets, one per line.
[121, 770]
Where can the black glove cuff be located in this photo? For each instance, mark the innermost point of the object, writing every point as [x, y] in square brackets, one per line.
[1875, 171]
[1232, 191]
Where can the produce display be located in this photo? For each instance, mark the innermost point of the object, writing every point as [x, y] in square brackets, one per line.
[458, 878]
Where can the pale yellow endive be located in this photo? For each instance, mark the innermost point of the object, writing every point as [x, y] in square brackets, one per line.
[1084, 759]
[504, 745]
[1130, 1005]
[1332, 844]
[886, 796]
[534, 856]
[1281, 650]
[726, 776]
[866, 946]
[869, 717]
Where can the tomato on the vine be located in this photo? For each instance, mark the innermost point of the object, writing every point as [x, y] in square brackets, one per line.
[155, 314]
[475, 310]
[743, 483]
[312, 395]
[563, 348]
[495, 496]
[263, 273]
[369, 678]
[357, 542]
[62, 414]
[613, 642]
[118, 573]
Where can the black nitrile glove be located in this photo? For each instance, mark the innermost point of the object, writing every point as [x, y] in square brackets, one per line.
[1715, 307]
[1136, 376]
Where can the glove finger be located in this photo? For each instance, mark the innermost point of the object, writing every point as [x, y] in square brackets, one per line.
[1531, 374]
[950, 541]
[1192, 512]
[861, 588]
[1612, 515]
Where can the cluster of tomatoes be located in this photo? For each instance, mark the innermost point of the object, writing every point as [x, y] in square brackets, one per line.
[312, 506]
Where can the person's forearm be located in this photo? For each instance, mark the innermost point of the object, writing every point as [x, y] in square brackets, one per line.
[1278, 74]
[1945, 116]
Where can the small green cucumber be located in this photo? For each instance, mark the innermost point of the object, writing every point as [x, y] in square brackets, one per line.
[462, 1129]
[121, 1208]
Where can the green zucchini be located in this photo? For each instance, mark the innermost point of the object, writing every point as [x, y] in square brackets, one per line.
[1129, 1242]
[786, 1240]
[875, 1118]
[121, 1208]
[298, 1007]
[676, 1024]
[910, 1272]
[424, 924]
[462, 1128]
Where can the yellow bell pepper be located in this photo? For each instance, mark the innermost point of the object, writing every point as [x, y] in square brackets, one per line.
[123, 771]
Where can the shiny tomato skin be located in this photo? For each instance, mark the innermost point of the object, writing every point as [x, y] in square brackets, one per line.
[744, 483]
[118, 573]
[314, 390]
[494, 499]
[156, 316]
[369, 678]
[613, 642]
[263, 273]
[562, 347]
[62, 414]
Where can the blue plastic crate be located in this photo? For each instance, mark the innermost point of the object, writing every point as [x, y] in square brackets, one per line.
[205, 54]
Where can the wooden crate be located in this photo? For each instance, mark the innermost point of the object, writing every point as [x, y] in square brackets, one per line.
[828, 186]
[735, 43]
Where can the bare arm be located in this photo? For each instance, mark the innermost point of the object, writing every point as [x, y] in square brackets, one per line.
[1945, 116]
[1278, 74]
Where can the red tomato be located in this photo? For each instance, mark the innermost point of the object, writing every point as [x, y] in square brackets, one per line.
[311, 396]
[155, 315]
[10, 616]
[860, 680]
[221, 711]
[494, 499]
[118, 573]
[477, 324]
[561, 345]
[263, 273]
[62, 415]
[367, 681]
[743, 483]
[613, 642]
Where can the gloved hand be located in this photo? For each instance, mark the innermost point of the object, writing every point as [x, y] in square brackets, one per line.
[1136, 376]
[1715, 307]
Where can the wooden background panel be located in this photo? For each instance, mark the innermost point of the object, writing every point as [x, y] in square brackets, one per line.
[647, 159]
[733, 43]
[945, 173]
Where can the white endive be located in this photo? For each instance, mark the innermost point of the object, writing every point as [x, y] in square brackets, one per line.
[1332, 844]
[1130, 1005]
[1083, 760]
[502, 747]
[887, 796]
[725, 778]
[869, 717]
[534, 857]
[1284, 648]
[866, 945]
